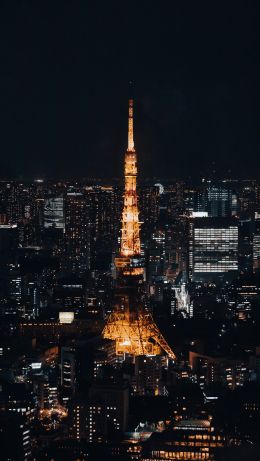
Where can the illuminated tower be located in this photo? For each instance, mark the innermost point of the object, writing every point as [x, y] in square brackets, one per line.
[130, 324]
[130, 242]
[130, 234]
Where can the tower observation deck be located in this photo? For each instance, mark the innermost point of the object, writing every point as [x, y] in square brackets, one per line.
[131, 325]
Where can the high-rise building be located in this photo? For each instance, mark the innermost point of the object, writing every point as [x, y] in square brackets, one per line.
[76, 367]
[248, 200]
[256, 245]
[15, 398]
[245, 247]
[15, 437]
[108, 409]
[148, 379]
[70, 294]
[8, 243]
[68, 370]
[217, 199]
[19, 202]
[221, 201]
[156, 253]
[149, 205]
[213, 248]
[30, 297]
[105, 205]
[25, 208]
[77, 233]
[54, 212]
[78, 414]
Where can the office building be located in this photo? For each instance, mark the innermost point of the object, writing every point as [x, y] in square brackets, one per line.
[15, 437]
[77, 415]
[220, 201]
[193, 439]
[54, 213]
[108, 410]
[8, 243]
[77, 233]
[213, 248]
[148, 376]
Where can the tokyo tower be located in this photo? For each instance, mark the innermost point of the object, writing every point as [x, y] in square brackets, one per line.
[130, 324]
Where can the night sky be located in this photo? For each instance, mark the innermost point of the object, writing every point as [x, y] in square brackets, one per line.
[64, 72]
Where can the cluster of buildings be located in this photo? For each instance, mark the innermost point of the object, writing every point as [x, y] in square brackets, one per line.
[129, 318]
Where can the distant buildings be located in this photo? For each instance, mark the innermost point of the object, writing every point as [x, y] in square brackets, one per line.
[8, 243]
[148, 375]
[213, 248]
[187, 440]
[200, 247]
[15, 437]
[54, 213]
[77, 233]
[108, 410]
[221, 201]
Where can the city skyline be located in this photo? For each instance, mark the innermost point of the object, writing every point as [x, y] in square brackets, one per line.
[129, 232]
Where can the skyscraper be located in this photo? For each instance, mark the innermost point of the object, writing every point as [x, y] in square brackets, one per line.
[220, 201]
[213, 249]
[256, 244]
[54, 212]
[77, 233]
[108, 409]
[15, 436]
[8, 242]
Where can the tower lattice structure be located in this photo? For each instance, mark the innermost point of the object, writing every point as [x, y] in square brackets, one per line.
[130, 247]
[130, 324]
[130, 239]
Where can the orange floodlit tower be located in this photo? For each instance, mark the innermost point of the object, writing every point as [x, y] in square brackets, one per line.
[130, 324]
[130, 248]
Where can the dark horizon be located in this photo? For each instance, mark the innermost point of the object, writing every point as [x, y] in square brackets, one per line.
[64, 89]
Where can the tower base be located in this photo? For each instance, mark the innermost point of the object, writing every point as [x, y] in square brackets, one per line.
[138, 335]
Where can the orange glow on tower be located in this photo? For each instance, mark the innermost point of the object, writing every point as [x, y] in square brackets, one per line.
[130, 238]
[130, 324]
